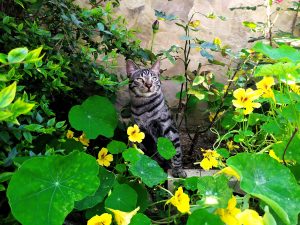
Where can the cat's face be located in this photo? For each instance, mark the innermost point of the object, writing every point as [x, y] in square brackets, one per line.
[143, 82]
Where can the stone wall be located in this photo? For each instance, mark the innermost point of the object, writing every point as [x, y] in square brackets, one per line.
[140, 15]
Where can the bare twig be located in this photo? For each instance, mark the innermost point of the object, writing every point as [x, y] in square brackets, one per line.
[295, 20]
[286, 147]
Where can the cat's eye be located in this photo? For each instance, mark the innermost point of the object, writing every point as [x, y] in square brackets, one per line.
[154, 78]
[139, 79]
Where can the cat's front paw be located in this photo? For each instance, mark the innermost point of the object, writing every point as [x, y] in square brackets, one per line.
[178, 172]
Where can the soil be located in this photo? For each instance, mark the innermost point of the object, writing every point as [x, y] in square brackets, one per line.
[205, 141]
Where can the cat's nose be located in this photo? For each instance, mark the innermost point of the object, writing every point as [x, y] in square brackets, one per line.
[148, 85]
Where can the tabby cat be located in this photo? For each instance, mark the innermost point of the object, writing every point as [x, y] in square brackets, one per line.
[151, 113]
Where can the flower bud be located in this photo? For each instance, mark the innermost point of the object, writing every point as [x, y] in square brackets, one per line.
[155, 26]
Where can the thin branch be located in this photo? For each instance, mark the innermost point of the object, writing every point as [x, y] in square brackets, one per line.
[286, 147]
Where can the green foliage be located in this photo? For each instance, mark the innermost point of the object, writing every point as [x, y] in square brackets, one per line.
[95, 116]
[116, 147]
[107, 179]
[122, 197]
[201, 216]
[165, 148]
[264, 178]
[52, 192]
[148, 170]
[214, 191]
[51, 79]
[283, 53]
[140, 219]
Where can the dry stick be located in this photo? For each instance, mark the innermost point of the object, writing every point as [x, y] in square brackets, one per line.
[286, 147]
[198, 132]
[269, 22]
[295, 20]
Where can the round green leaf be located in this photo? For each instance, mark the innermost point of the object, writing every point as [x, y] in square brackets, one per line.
[148, 170]
[201, 216]
[121, 168]
[123, 198]
[115, 147]
[268, 180]
[143, 195]
[44, 189]
[165, 148]
[17, 55]
[214, 190]
[131, 155]
[107, 180]
[96, 116]
[140, 219]
[191, 183]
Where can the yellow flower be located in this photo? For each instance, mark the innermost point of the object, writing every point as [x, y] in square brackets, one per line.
[210, 159]
[273, 155]
[265, 87]
[134, 134]
[84, 140]
[295, 88]
[245, 98]
[70, 134]
[228, 215]
[123, 218]
[206, 164]
[195, 23]
[231, 146]
[104, 159]
[249, 217]
[104, 219]
[217, 41]
[230, 172]
[181, 201]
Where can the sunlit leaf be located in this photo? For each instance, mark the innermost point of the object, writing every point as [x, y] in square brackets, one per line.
[47, 187]
[268, 180]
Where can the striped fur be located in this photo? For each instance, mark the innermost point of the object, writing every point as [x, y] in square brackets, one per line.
[151, 113]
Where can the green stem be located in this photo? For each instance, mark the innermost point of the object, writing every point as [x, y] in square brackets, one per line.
[152, 40]
[166, 190]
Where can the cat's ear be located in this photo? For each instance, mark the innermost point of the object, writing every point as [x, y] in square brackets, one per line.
[131, 67]
[156, 67]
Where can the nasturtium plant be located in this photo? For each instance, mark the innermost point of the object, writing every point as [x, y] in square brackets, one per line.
[96, 116]
[122, 197]
[107, 179]
[292, 153]
[165, 148]
[143, 200]
[49, 186]
[268, 180]
[214, 191]
[283, 52]
[140, 219]
[148, 170]
[115, 147]
[131, 155]
[202, 216]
